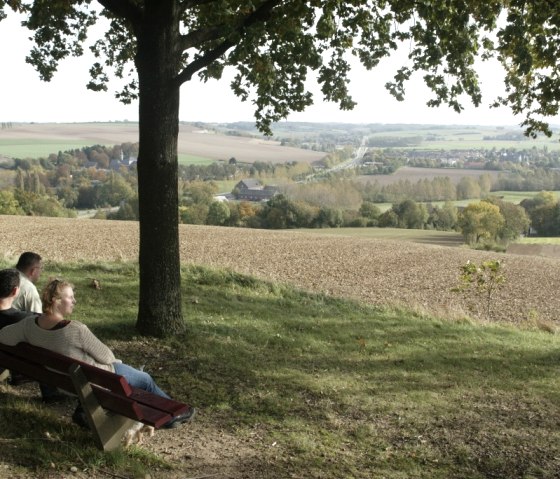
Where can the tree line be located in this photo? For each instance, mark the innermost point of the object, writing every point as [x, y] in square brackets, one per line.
[76, 179]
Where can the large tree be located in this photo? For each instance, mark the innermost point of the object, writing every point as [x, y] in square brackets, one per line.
[480, 221]
[275, 44]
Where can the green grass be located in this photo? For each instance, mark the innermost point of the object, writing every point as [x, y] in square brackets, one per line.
[466, 137]
[43, 148]
[38, 148]
[226, 186]
[342, 389]
[518, 196]
[535, 240]
[185, 159]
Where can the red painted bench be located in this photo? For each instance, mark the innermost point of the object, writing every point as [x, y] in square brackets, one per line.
[110, 403]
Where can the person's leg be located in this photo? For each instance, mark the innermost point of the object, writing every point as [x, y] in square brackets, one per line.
[138, 379]
[50, 394]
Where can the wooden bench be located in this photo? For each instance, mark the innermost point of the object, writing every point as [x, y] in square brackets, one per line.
[111, 405]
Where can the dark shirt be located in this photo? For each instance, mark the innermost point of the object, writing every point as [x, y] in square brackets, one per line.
[13, 315]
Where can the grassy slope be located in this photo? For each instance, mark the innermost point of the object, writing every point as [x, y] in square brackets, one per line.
[340, 388]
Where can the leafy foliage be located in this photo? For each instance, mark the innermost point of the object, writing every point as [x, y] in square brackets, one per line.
[479, 221]
[481, 283]
[273, 44]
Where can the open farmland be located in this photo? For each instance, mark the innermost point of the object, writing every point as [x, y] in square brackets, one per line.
[30, 140]
[467, 137]
[414, 174]
[373, 270]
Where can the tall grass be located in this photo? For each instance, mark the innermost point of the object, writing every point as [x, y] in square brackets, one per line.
[332, 388]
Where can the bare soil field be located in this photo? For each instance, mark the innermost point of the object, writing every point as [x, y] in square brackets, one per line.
[414, 174]
[382, 272]
[192, 141]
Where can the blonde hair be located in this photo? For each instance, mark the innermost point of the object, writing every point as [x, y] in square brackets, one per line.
[51, 292]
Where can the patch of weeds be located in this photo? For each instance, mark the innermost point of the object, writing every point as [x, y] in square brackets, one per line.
[480, 284]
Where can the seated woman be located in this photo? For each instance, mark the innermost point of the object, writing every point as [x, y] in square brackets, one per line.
[51, 330]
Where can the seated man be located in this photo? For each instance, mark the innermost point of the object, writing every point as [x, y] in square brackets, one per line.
[9, 289]
[30, 266]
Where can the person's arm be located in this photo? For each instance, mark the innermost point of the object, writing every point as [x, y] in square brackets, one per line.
[94, 347]
[33, 303]
[13, 334]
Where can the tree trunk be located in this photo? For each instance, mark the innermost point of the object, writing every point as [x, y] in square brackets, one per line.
[157, 60]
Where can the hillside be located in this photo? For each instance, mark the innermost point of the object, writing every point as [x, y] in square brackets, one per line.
[192, 141]
[377, 271]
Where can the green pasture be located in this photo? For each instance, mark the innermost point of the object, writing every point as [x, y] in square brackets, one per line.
[226, 186]
[465, 137]
[309, 386]
[518, 196]
[43, 148]
[24, 149]
[535, 240]
[185, 159]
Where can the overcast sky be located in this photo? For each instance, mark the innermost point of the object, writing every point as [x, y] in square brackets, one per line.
[24, 98]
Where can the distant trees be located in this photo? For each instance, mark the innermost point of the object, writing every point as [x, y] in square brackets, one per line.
[334, 193]
[544, 212]
[444, 218]
[218, 213]
[426, 190]
[370, 212]
[280, 213]
[410, 214]
[516, 220]
[479, 221]
[9, 205]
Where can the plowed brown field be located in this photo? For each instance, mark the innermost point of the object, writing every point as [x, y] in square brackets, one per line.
[376, 271]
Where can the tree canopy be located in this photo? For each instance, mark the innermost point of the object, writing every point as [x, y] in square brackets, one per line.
[274, 44]
[155, 46]
[481, 220]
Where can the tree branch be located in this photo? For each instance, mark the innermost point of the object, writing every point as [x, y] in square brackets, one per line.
[194, 3]
[203, 61]
[198, 37]
[261, 14]
[125, 9]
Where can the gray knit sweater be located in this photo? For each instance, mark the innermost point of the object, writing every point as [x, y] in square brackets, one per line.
[74, 340]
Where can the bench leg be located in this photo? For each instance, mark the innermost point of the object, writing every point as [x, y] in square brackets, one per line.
[108, 429]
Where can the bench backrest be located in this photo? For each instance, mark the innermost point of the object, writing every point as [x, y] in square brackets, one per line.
[111, 390]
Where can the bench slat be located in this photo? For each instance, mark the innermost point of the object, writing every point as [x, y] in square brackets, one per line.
[111, 390]
[34, 370]
[124, 405]
[163, 404]
[54, 360]
[128, 407]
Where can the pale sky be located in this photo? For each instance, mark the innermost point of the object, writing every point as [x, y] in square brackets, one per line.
[25, 98]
